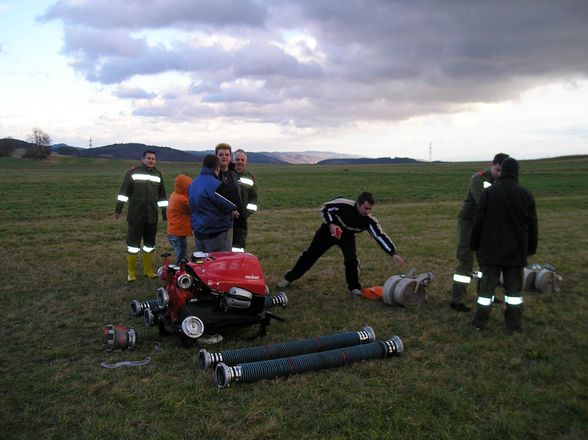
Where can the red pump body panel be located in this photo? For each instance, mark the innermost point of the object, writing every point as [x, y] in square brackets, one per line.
[222, 270]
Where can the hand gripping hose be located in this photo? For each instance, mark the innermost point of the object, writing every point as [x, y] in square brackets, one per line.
[208, 360]
[254, 371]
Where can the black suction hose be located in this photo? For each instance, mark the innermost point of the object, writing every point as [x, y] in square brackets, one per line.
[254, 371]
[208, 360]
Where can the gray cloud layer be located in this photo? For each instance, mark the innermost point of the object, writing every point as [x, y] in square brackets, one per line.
[373, 60]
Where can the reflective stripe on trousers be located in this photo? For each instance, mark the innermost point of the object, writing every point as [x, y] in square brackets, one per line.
[513, 300]
[485, 301]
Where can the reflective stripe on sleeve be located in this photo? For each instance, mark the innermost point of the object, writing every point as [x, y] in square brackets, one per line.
[513, 300]
[245, 181]
[133, 250]
[483, 301]
[487, 184]
[122, 198]
[251, 207]
[461, 279]
[162, 203]
[149, 177]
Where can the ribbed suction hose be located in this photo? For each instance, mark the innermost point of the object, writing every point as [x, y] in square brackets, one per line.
[254, 371]
[208, 360]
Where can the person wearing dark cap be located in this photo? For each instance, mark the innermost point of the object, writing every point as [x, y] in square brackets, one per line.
[504, 233]
[463, 273]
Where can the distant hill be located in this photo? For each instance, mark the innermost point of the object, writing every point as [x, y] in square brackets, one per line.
[135, 151]
[368, 161]
[16, 143]
[301, 157]
[252, 157]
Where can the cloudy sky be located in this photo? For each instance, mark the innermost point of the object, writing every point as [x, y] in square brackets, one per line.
[368, 77]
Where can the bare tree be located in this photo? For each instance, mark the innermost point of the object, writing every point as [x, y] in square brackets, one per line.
[40, 144]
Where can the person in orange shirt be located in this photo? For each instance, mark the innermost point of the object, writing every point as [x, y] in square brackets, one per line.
[178, 216]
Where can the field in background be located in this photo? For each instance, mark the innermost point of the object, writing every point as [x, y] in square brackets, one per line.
[63, 265]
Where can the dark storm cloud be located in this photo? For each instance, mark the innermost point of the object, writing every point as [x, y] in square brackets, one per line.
[153, 14]
[373, 60]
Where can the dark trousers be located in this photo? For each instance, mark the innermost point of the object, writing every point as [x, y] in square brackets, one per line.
[321, 243]
[141, 231]
[239, 234]
[465, 257]
[512, 279]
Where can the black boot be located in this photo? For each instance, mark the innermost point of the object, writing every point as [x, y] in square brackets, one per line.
[460, 307]
[513, 315]
[481, 318]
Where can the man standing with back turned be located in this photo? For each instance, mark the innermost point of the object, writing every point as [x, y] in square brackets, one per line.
[505, 231]
[211, 211]
[342, 219]
[463, 273]
[144, 190]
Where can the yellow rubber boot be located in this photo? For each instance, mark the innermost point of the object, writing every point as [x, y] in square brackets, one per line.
[147, 262]
[131, 262]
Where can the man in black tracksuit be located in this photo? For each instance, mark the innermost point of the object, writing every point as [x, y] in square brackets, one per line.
[342, 219]
[505, 231]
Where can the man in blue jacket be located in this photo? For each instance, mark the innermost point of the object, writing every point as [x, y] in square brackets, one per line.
[211, 211]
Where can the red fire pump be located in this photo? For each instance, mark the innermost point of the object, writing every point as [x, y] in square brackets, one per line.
[209, 294]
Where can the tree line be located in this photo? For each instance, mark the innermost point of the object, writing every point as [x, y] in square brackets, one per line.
[38, 145]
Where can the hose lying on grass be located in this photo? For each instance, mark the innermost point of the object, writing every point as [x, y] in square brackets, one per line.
[208, 360]
[254, 371]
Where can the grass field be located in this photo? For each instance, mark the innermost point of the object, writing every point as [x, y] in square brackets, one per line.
[64, 277]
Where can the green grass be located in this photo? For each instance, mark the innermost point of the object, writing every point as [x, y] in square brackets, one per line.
[63, 272]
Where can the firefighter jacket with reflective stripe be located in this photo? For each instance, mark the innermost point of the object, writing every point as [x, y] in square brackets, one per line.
[210, 207]
[505, 228]
[478, 182]
[344, 213]
[248, 192]
[144, 191]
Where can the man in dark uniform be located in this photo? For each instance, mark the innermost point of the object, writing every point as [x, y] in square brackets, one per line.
[144, 191]
[342, 219]
[463, 273]
[505, 231]
[230, 178]
[249, 198]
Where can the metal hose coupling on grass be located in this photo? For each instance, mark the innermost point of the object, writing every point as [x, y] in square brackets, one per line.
[121, 337]
[251, 372]
[138, 307]
[279, 299]
[208, 360]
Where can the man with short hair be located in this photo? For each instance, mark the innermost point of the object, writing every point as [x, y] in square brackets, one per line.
[144, 190]
[505, 232]
[229, 177]
[463, 273]
[211, 212]
[342, 219]
[249, 198]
